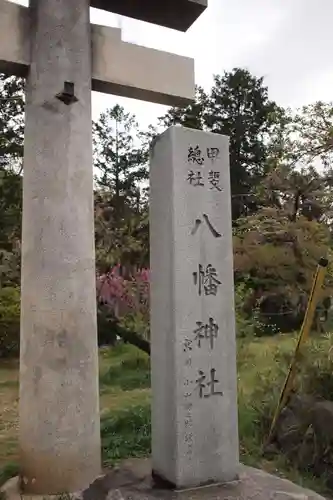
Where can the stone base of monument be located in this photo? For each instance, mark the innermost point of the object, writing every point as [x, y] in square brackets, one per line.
[132, 480]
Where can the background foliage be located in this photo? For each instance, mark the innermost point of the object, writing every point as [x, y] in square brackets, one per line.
[281, 183]
[281, 180]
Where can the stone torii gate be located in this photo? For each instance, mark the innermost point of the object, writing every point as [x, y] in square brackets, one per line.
[64, 57]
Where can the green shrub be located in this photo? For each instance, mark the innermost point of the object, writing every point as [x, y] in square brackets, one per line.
[9, 322]
[265, 365]
[250, 324]
[244, 326]
[126, 434]
[316, 367]
[249, 428]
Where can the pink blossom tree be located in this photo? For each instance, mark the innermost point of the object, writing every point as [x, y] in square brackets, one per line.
[126, 299]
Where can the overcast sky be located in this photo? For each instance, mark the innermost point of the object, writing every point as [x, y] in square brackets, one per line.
[289, 42]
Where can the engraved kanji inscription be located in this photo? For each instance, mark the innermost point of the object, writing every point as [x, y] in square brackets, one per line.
[208, 331]
[198, 223]
[195, 179]
[214, 180]
[213, 153]
[206, 280]
[188, 437]
[187, 344]
[207, 386]
[195, 155]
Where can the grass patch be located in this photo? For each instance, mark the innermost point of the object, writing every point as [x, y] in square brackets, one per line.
[8, 415]
[126, 434]
[128, 375]
[125, 401]
[125, 368]
[262, 368]
[8, 471]
[118, 353]
[9, 384]
[115, 399]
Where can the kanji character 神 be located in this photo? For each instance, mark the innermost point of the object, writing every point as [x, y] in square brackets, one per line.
[206, 331]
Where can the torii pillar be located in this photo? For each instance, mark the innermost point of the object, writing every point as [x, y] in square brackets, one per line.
[64, 57]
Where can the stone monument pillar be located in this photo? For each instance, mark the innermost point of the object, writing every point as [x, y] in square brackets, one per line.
[59, 405]
[194, 382]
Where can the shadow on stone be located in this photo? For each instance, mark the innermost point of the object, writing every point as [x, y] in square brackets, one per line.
[133, 481]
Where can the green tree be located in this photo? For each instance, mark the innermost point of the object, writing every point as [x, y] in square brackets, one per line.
[237, 106]
[11, 121]
[10, 226]
[121, 156]
[11, 152]
[10, 208]
[192, 116]
[304, 191]
[275, 257]
[240, 108]
[313, 128]
[277, 248]
[123, 240]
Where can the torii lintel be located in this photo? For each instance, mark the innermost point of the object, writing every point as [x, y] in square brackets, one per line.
[175, 14]
[118, 67]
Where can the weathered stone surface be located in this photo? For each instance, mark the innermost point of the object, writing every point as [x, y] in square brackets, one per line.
[194, 407]
[283, 495]
[132, 481]
[322, 421]
[59, 428]
[253, 484]
[293, 423]
[176, 14]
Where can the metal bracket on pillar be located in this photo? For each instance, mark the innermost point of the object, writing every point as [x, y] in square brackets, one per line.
[67, 95]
